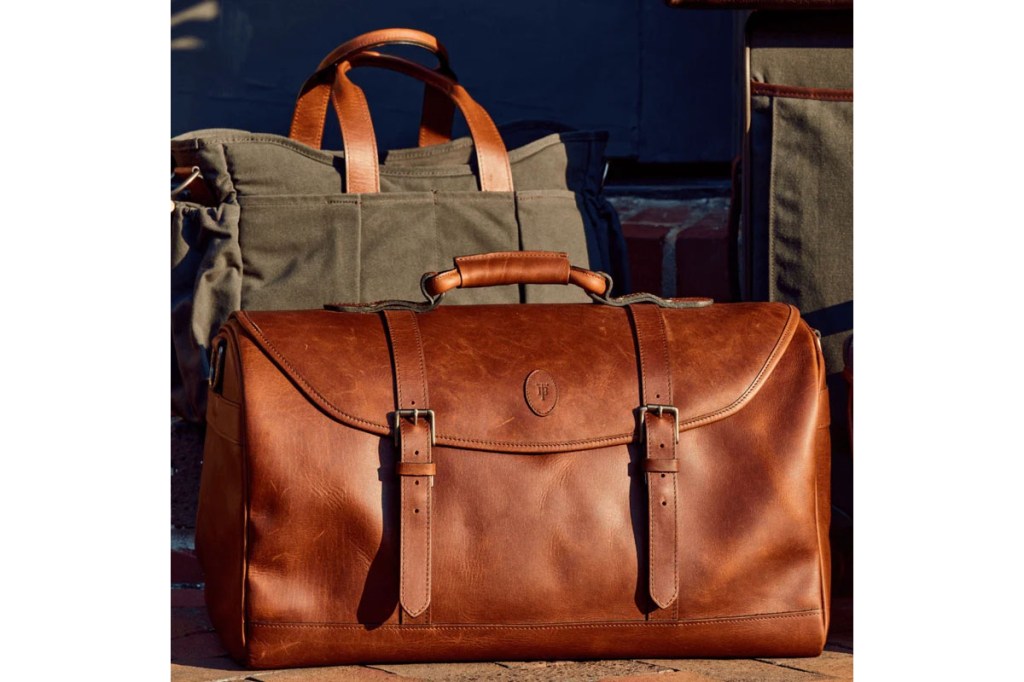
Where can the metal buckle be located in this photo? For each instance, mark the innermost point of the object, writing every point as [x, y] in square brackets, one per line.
[415, 414]
[659, 410]
[196, 173]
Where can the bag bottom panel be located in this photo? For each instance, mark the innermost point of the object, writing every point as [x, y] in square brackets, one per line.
[789, 634]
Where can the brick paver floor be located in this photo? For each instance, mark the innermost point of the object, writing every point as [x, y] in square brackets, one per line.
[197, 656]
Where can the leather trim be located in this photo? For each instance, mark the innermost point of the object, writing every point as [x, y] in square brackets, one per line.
[799, 92]
[557, 626]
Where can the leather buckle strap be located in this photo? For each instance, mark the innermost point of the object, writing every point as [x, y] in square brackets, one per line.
[414, 439]
[659, 427]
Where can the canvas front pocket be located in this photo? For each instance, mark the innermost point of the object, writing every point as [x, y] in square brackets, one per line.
[299, 252]
[304, 251]
[551, 220]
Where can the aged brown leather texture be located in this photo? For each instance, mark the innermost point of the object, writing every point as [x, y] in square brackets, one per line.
[516, 482]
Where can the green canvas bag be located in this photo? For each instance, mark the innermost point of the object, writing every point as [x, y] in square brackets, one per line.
[269, 222]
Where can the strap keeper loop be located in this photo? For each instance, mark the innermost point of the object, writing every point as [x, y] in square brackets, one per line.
[415, 469]
[661, 466]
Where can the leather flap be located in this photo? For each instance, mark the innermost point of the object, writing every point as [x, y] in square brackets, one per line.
[527, 378]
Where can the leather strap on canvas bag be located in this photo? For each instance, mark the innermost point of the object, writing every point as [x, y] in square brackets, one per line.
[414, 429]
[659, 422]
[311, 105]
[361, 162]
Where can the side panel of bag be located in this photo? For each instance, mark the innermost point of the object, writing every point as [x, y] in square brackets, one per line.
[222, 519]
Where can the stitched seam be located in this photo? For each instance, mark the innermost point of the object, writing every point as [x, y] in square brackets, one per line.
[520, 447]
[430, 542]
[295, 146]
[611, 440]
[640, 348]
[427, 447]
[280, 358]
[299, 106]
[293, 199]
[489, 127]
[787, 333]
[323, 99]
[562, 195]
[650, 528]
[567, 626]
[821, 554]
[512, 255]
[772, 177]
[539, 446]
[393, 198]
[364, 116]
[675, 539]
[437, 236]
[451, 145]
[640, 354]
[668, 358]
[675, 513]
[423, 364]
[538, 146]
[234, 341]
[403, 531]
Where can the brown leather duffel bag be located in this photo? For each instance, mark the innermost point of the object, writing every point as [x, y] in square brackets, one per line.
[406, 482]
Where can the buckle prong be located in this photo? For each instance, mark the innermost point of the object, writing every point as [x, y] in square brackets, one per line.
[415, 413]
[659, 410]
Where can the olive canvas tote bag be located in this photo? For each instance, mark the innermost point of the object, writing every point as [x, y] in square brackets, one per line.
[266, 222]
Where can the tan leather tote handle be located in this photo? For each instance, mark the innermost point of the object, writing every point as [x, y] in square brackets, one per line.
[361, 162]
[514, 267]
[311, 105]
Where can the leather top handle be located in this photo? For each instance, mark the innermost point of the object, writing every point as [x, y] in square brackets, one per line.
[362, 173]
[514, 267]
[311, 105]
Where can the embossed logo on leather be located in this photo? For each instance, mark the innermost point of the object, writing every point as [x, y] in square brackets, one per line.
[541, 392]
